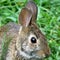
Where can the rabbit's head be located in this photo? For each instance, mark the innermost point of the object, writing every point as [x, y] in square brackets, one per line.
[31, 42]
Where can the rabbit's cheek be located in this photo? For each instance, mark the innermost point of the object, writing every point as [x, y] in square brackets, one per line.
[40, 53]
[27, 48]
[33, 47]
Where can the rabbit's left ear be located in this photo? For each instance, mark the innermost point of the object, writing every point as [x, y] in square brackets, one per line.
[25, 17]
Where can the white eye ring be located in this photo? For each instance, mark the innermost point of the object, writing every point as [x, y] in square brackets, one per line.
[29, 38]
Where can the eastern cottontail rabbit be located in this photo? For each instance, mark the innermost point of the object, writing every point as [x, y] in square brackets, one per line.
[25, 41]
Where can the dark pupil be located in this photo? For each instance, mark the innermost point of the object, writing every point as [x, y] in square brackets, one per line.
[33, 40]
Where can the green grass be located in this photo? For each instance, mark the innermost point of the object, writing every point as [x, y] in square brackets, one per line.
[48, 20]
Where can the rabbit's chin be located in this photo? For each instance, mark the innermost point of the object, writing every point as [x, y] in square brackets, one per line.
[29, 56]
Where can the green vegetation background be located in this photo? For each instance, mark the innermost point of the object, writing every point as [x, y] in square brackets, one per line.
[48, 20]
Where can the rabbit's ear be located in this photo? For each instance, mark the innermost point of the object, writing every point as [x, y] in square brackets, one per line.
[25, 17]
[33, 8]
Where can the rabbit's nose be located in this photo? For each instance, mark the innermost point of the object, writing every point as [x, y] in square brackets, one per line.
[46, 55]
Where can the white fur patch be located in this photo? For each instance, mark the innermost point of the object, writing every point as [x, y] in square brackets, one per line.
[20, 30]
[25, 55]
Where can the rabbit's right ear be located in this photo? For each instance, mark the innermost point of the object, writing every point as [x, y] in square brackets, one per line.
[25, 17]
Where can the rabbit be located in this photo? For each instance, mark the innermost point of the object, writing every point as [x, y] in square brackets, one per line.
[24, 41]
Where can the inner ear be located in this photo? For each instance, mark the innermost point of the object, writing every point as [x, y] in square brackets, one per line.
[25, 17]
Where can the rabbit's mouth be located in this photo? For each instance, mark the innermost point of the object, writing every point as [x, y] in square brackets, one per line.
[29, 56]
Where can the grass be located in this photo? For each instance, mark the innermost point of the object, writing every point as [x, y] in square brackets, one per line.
[48, 20]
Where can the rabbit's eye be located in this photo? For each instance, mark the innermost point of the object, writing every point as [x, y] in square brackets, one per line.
[33, 40]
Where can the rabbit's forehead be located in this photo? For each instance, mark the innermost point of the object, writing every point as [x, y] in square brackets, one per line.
[36, 31]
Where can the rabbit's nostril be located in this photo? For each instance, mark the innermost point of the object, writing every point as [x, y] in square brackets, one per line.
[33, 40]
